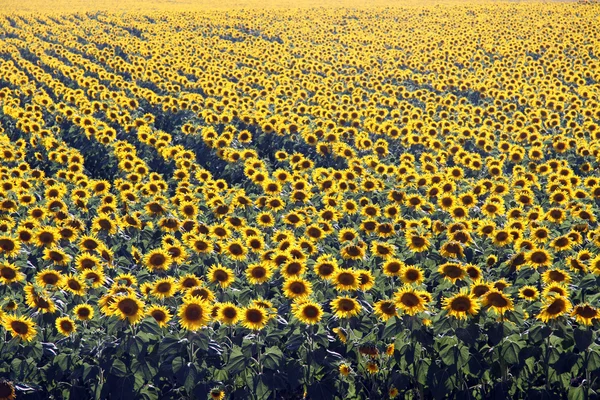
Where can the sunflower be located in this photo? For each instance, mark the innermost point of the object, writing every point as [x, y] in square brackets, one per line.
[409, 300]
[325, 266]
[7, 390]
[345, 279]
[372, 367]
[20, 326]
[201, 244]
[497, 301]
[217, 394]
[479, 288]
[10, 273]
[366, 279]
[87, 261]
[296, 288]
[9, 246]
[56, 255]
[48, 277]
[228, 314]
[65, 325]
[157, 259]
[555, 289]
[554, 307]
[393, 267]
[259, 273]
[194, 313]
[411, 274]
[452, 272]
[307, 312]
[39, 301]
[385, 309]
[538, 258]
[585, 313]
[203, 293]
[128, 307]
[452, 249]
[83, 312]
[382, 250]
[345, 307]
[164, 288]
[97, 276]
[344, 369]
[254, 317]
[235, 250]
[556, 276]
[461, 304]
[161, 315]
[353, 252]
[341, 334]
[222, 275]
[292, 269]
[74, 284]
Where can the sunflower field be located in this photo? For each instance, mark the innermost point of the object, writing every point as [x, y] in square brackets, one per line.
[299, 200]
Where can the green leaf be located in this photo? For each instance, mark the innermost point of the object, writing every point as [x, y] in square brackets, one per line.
[118, 368]
[392, 328]
[593, 361]
[576, 393]
[177, 364]
[510, 352]
[272, 357]
[583, 338]
[237, 361]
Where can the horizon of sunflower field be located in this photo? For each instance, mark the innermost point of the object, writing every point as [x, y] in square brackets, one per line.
[299, 200]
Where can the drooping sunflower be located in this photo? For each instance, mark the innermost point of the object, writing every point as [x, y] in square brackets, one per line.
[83, 312]
[554, 307]
[585, 313]
[307, 312]
[161, 315]
[497, 301]
[222, 275]
[20, 326]
[461, 304]
[7, 390]
[128, 307]
[345, 307]
[65, 326]
[409, 300]
[385, 309]
[194, 313]
[254, 317]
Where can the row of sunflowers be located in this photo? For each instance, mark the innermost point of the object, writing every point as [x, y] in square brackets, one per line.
[307, 203]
